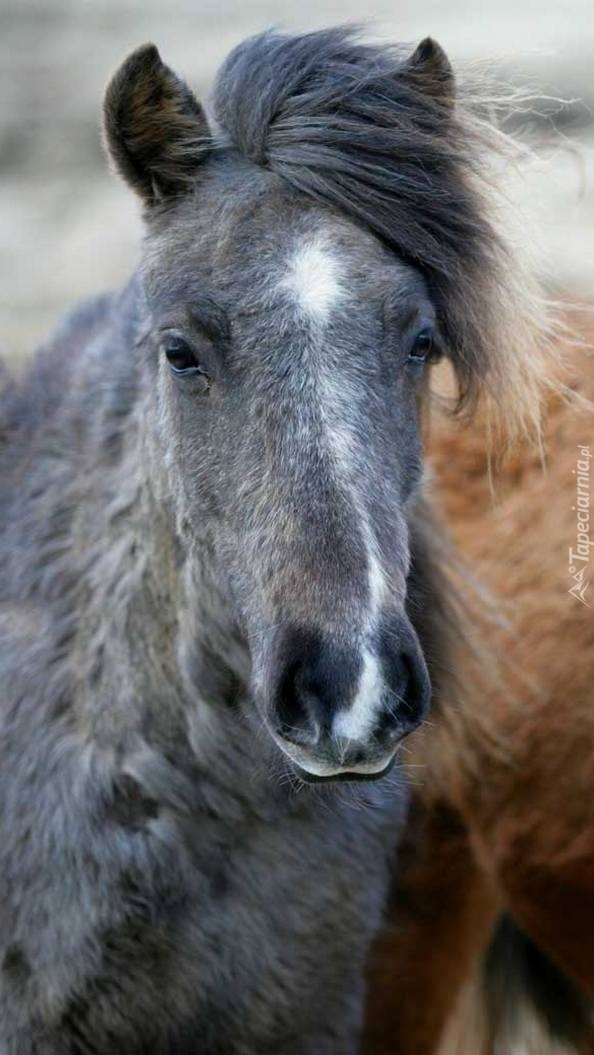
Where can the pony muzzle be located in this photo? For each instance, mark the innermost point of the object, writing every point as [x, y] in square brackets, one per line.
[338, 710]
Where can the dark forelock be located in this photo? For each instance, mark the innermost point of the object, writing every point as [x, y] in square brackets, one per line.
[342, 121]
[361, 128]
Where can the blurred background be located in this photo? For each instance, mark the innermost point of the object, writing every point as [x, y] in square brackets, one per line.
[69, 228]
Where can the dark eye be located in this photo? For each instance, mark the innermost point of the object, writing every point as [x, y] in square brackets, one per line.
[424, 348]
[181, 357]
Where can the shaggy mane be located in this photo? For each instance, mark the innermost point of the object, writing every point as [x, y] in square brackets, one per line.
[349, 124]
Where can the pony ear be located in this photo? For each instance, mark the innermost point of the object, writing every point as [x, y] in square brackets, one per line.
[155, 129]
[429, 71]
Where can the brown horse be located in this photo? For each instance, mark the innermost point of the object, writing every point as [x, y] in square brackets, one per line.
[504, 813]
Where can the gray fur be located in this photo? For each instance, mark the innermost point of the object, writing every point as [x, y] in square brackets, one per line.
[168, 885]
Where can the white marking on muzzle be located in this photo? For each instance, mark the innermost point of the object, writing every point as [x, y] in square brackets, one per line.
[357, 721]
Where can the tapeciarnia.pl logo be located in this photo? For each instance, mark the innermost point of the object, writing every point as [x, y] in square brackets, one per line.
[580, 557]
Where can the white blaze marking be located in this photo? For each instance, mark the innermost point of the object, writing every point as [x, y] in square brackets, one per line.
[314, 278]
[377, 580]
[357, 721]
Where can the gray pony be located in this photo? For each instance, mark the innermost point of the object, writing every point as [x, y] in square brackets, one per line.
[218, 594]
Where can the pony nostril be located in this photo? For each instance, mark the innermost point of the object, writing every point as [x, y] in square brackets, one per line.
[391, 722]
[295, 719]
[314, 677]
[409, 695]
[304, 735]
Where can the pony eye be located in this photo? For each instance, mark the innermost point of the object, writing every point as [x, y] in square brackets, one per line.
[181, 356]
[424, 347]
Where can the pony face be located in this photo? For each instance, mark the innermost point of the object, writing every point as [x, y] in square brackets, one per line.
[287, 349]
[310, 249]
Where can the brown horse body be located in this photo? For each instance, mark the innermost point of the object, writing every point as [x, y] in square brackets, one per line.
[504, 817]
